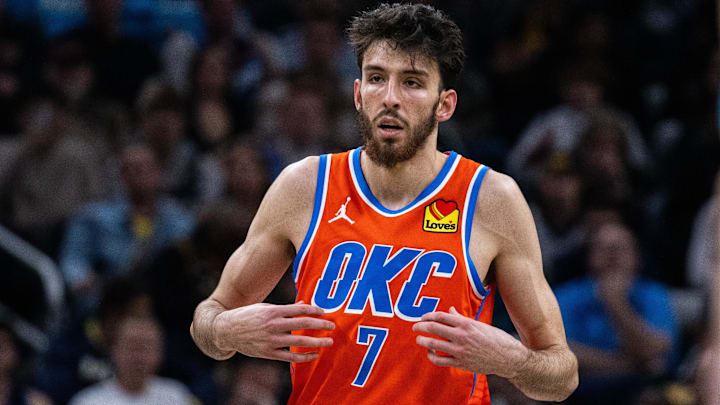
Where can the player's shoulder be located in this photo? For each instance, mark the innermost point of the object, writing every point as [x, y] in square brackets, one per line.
[293, 191]
[300, 176]
[288, 204]
[302, 169]
[499, 189]
[501, 206]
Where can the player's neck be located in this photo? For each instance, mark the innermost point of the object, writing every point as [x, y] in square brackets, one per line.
[398, 186]
[131, 385]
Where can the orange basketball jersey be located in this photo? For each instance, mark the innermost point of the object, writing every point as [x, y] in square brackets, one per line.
[375, 272]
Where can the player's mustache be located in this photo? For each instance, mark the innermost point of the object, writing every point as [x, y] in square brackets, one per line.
[392, 114]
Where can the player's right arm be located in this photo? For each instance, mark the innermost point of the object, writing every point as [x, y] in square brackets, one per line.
[232, 319]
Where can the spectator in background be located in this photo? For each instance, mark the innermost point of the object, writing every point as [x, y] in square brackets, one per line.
[210, 112]
[18, 69]
[246, 174]
[315, 44]
[13, 388]
[252, 54]
[122, 63]
[259, 382]
[559, 129]
[708, 376]
[604, 160]
[525, 50]
[211, 117]
[79, 355]
[702, 254]
[619, 325]
[163, 125]
[69, 70]
[227, 21]
[53, 172]
[557, 210]
[688, 168]
[71, 73]
[707, 272]
[111, 238]
[181, 277]
[304, 121]
[136, 354]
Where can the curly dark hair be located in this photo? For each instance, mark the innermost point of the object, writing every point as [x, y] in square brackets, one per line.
[417, 29]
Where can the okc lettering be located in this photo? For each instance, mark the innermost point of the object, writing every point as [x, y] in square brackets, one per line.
[435, 225]
[344, 270]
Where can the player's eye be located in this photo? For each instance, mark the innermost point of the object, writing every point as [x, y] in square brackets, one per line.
[412, 83]
[375, 78]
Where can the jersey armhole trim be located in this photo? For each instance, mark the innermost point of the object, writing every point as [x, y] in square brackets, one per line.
[318, 207]
[477, 317]
[470, 204]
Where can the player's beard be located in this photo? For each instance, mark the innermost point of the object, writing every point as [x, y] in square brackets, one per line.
[390, 152]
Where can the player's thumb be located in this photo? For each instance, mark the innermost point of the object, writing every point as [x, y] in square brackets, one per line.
[454, 311]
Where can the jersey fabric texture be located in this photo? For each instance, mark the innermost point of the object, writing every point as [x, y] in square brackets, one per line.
[375, 272]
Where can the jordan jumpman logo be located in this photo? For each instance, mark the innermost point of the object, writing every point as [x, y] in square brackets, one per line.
[342, 213]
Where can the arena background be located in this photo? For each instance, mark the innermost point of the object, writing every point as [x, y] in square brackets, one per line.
[137, 138]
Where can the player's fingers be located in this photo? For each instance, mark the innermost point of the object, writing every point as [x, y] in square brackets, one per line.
[286, 355]
[444, 317]
[435, 328]
[298, 309]
[442, 361]
[303, 341]
[435, 344]
[290, 324]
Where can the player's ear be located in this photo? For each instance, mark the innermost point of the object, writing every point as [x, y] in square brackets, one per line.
[356, 94]
[446, 105]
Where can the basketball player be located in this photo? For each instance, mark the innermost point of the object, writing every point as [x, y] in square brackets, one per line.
[397, 250]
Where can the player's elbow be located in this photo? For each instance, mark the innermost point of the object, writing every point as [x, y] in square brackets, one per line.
[565, 383]
[571, 382]
[558, 393]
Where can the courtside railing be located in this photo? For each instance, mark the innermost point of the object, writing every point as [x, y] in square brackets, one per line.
[53, 286]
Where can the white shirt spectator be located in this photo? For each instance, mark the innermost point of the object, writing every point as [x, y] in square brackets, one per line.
[158, 391]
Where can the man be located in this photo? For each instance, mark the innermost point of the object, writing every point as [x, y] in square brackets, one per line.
[608, 312]
[137, 354]
[110, 238]
[410, 253]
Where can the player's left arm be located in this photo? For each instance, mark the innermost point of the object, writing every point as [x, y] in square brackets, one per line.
[540, 364]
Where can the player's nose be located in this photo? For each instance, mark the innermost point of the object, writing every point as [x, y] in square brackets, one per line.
[391, 96]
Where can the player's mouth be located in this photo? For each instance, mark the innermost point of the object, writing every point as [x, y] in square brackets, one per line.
[389, 127]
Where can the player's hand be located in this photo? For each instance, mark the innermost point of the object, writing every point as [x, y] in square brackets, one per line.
[470, 345]
[264, 330]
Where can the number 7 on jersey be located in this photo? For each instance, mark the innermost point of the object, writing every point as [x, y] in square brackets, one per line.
[374, 338]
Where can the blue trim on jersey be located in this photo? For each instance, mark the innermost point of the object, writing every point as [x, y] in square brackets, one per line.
[482, 304]
[469, 214]
[365, 189]
[474, 383]
[319, 190]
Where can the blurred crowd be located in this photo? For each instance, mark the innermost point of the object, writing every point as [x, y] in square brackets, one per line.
[137, 139]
